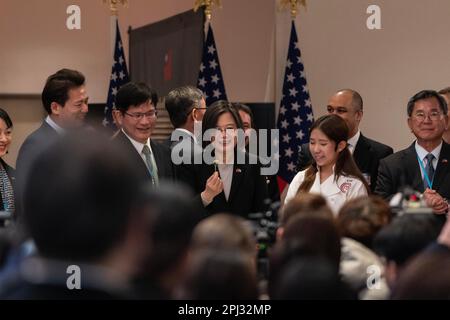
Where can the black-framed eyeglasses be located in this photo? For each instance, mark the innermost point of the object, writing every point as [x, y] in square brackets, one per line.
[140, 116]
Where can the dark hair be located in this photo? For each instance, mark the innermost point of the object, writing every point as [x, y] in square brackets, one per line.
[310, 278]
[306, 236]
[335, 128]
[5, 117]
[220, 275]
[361, 218]
[406, 236]
[357, 100]
[426, 94]
[224, 232]
[179, 103]
[247, 110]
[57, 87]
[78, 207]
[134, 94]
[311, 204]
[213, 113]
[174, 219]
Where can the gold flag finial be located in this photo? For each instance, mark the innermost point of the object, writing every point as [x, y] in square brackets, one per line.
[113, 5]
[292, 4]
[208, 6]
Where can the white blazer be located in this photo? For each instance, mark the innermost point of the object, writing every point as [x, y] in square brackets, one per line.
[335, 192]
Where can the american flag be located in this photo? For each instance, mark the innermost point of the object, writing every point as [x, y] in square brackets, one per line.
[210, 79]
[296, 115]
[119, 76]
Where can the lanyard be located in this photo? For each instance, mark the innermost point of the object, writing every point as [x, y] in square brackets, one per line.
[425, 174]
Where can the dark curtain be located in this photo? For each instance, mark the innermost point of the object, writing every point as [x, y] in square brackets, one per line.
[167, 54]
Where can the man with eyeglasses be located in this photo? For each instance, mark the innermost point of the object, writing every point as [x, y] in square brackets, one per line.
[186, 106]
[136, 114]
[367, 153]
[424, 165]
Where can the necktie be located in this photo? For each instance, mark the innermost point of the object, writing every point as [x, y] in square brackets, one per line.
[429, 169]
[151, 165]
[7, 192]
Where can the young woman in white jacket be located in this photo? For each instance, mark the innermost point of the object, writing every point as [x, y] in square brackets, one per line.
[333, 172]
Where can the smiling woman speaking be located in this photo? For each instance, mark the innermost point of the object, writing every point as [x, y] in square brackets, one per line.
[333, 172]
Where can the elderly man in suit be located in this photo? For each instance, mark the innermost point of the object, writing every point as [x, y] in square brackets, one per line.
[367, 153]
[424, 164]
[136, 114]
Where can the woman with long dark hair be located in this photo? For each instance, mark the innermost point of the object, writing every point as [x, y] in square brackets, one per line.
[333, 172]
[225, 180]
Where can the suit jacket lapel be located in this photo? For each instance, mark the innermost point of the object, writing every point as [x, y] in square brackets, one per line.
[412, 168]
[442, 166]
[132, 151]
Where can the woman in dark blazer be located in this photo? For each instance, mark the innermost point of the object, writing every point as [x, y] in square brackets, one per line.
[7, 173]
[224, 180]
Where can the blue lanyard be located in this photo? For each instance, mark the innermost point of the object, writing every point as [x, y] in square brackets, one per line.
[425, 174]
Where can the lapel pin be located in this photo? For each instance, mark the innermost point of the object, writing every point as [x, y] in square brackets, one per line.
[444, 161]
[238, 170]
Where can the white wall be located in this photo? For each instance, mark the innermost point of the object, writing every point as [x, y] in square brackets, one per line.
[411, 52]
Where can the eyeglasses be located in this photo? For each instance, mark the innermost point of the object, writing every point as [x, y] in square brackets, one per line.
[140, 116]
[433, 115]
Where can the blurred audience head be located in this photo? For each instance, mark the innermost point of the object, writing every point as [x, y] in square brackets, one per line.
[402, 239]
[362, 218]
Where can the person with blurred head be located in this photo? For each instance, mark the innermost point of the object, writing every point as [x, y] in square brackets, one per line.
[65, 100]
[333, 172]
[81, 212]
[305, 237]
[367, 153]
[226, 180]
[7, 173]
[308, 204]
[423, 166]
[173, 219]
[186, 107]
[445, 93]
[136, 114]
[359, 220]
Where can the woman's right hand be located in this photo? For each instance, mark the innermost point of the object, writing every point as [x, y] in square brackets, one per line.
[213, 187]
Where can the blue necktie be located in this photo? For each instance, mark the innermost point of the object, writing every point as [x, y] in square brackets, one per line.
[429, 169]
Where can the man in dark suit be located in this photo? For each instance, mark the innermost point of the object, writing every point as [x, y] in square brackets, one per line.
[136, 114]
[186, 107]
[367, 153]
[424, 164]
[65, 99]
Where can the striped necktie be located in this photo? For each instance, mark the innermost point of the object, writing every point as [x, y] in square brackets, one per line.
[429, 169]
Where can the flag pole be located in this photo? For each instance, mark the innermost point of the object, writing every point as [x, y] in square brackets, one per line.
[114, 11]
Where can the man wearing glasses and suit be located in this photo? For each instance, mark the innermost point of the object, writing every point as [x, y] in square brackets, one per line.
[424, 164]
[136, 115]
